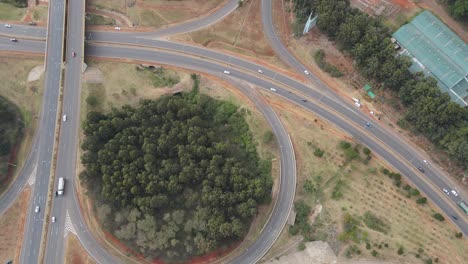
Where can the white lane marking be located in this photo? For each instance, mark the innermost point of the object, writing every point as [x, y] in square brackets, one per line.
[69, 227]
[32, 178]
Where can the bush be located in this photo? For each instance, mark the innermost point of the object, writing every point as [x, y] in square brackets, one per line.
[385, 171]
[368, 246]
[267, 137]
[319, 58]
[407, 187]
[400, 251]
[421, 200]
[374, 253]
[366, 151]
[92, 101]
[459, 235]
[318, 152]
[301, 247]
[415, 192]
[428, 261]
[345, 145]
[438, 217]
[375, 223]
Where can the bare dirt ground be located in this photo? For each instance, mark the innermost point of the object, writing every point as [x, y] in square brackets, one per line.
[12, 228]
[157, 13]
[75, 253]
[117, 77]
[366, 189]
[36, 73]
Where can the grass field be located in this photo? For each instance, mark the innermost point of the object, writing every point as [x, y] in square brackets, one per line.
[157, 13]
[12, 227]
[388, 216]
[27, 96]
[39, 14]
[75, 253]
[10, 12]
[116, 84]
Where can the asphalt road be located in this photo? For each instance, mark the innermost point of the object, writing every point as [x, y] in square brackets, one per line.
[34, 224]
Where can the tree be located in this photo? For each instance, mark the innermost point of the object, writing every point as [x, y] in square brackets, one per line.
[421, 200]
[438, 217]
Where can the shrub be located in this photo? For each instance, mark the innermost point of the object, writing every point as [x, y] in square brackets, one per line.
[421, 200]
[407, 187]
[428, 261]
[438, 217]
[301, 247]
[366, 151]
[267, 137]
[459, 235]
[345, 145]
[92, 101]
[374, 253]
[415, 192]
[375, 223]
[400, 251]
[318, 152]
[319, 58]
[385, 171]
[368, 246]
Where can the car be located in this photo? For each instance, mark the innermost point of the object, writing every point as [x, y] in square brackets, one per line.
[426, 162]
[455, 193]
[368, 124]
[304, 100]
[421, 169]
[273, 89]
[454, 217]
[32, 23]
[64, 118]
[7, 25]
[446, 191]
[53, 219]
[356, 100]
[260, 71]
[117, 28]
[37, 209]
[227, 72]
[357, 104]
[74, 54]
[306, 72]
[13, 40]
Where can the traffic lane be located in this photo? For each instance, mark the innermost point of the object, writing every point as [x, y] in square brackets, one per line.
[24, 31]
[287, 184]
[21, 45]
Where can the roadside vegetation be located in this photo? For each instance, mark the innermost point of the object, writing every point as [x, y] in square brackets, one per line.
[319, 57]
[458, 9]
[174, 192]
[17, 3]
[92, 19]
[11, 12]
[429, 111]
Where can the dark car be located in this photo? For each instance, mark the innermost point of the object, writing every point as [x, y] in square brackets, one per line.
[32, 23]
[304, 100]
[421, 169]
[454, 217]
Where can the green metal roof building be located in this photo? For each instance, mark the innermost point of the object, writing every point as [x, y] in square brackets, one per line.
[438, 52]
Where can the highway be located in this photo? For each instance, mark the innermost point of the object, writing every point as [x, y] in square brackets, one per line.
[399, 154]
[30, 252]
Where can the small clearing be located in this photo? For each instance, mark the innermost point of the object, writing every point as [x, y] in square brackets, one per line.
[36, 73]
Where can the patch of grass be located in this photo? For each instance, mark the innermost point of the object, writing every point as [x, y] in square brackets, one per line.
[337, 192]
[268, 137]
[318, 152]
[10, 12]
[319, 58]
[39, 13]
[159, 77]
[375, 223]
[351, 230]
[96, 96]
[92, 19]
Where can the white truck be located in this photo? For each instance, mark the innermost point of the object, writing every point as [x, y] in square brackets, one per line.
[61, 185]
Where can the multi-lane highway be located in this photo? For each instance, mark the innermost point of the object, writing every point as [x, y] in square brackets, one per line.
[35, 220]
[138, 47]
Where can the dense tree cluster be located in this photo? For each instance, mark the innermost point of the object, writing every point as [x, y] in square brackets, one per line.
[458, 8]
[17, 3]
[367, 39]
[10, 127]
[181, 173]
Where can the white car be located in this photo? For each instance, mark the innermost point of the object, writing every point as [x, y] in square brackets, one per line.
[117, 28]
[7, 25]
[37, 209]
[53, 219]
[455, 193]
[260, 71]
[306, 72]
[446, 191]
[227, 72]
[357, 104]
[426, 162]
[64, 118]
[273, 90]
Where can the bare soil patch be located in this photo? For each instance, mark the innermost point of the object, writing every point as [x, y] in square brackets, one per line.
[12, 228]
[115, 78]
[157, 13]
[75, 253]
[365, 189]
